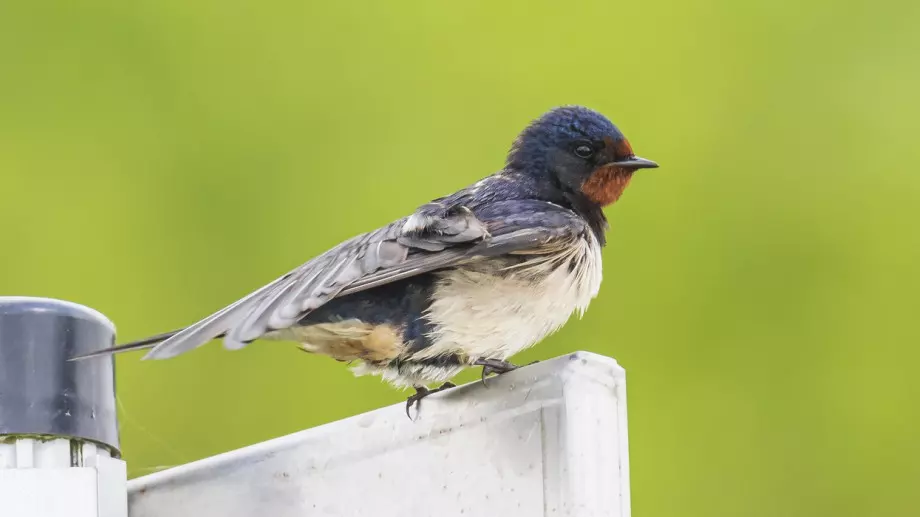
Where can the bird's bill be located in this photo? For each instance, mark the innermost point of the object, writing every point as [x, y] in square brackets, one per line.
[635, 162]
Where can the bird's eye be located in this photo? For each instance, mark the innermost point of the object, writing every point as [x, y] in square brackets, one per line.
[583, 151]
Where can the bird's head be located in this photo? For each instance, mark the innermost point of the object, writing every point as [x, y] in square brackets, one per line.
[579, 151]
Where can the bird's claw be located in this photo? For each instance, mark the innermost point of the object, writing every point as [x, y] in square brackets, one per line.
[495, 366]
[486, 371]
[416, 399]
[422, 392]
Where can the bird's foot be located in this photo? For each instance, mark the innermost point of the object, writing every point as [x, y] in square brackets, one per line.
[422, 392]
[495, 366]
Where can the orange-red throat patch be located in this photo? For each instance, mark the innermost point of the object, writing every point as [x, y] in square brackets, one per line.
[606, 184]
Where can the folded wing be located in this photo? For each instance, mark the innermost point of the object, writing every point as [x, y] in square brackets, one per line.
[433, 238]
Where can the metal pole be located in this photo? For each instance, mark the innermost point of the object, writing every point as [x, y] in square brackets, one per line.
[59, 447]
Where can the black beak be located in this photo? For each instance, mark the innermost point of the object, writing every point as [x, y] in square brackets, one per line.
[635, 162]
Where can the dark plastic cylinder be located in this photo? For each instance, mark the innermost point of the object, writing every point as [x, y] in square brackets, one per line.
[41, 392]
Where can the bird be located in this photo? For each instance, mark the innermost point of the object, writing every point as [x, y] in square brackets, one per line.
[468, 279]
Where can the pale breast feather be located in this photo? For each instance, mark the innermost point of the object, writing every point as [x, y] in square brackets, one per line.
[500, 306]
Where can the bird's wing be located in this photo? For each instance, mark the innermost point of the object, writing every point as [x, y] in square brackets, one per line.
[434, 237]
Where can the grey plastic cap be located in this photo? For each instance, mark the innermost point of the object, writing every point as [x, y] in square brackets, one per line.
[41, 392]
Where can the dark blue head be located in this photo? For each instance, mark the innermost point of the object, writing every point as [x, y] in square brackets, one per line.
[578, 150]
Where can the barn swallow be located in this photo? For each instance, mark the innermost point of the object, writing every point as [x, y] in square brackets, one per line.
[468, 279]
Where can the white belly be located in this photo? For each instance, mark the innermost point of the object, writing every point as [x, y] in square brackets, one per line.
[483, 313]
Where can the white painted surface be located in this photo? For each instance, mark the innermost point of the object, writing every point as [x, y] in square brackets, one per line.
[549, 439]
[58, 478]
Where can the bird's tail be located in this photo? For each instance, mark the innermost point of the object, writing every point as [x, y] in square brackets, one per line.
[215, 326]
[141, 344]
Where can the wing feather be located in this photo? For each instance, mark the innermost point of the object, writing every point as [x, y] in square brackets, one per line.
[429, 240]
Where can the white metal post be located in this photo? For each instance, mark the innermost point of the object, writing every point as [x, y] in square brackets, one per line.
[548, 439]
[58, 424]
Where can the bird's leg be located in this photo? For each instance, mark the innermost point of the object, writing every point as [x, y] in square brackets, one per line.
[496, 366]
[422, 392]
[493, 366]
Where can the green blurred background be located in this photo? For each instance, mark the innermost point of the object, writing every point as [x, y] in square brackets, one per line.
[159, 159]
